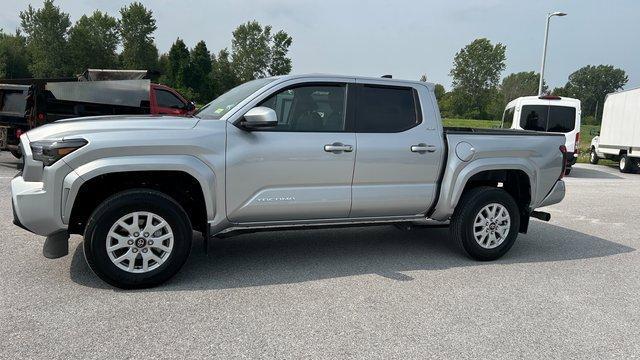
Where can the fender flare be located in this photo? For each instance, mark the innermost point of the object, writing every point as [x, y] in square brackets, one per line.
[185, 163]
[459, 173]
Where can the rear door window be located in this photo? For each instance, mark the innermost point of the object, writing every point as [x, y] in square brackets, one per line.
[382, 109]
[534, 117]
[561, 119]
[548, 118]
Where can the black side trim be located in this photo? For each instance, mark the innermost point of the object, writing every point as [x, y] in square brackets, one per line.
[443, 168]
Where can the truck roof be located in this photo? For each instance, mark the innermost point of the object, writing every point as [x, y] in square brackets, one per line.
[533, 100]
[351, 77]
[624, 91]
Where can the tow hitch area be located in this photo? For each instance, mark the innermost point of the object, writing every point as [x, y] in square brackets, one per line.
[56, 245]
[541, 215]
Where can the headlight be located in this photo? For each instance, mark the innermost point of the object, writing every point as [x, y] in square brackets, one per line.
[50, 151]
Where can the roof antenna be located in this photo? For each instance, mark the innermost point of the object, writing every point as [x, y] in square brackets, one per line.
[387, 76]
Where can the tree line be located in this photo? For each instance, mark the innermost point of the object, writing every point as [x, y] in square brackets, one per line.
[47, 44]
[478, 93]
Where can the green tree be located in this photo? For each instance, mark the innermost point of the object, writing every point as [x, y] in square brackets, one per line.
[46, 29]
[178, 61]
[200, 70]
[250, 50]
[93, 41]
[136, 29]
[280, 64]
[14, 62]
[591, 84]
[476, 73]
[222, 75]
[163, 67]
[519, 84]
[255, 53]
[439, 91]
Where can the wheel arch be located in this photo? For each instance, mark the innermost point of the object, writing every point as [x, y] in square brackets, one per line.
[185, 178]
[515, 175]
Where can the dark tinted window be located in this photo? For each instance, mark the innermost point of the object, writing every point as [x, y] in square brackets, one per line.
[548, 118]
[168, 100]
[561, 119]
[385, 109]
[534, 117]
[12, 101]
[309, 108]
[507, 118]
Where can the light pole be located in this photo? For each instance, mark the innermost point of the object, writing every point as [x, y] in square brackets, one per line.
[544, 48]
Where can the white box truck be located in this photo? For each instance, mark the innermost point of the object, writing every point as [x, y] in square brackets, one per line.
[619, 137]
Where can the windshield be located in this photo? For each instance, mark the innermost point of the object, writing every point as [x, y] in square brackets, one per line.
[227, 101]
[548, 118]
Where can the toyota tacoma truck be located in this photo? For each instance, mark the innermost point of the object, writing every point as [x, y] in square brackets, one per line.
[278, 153]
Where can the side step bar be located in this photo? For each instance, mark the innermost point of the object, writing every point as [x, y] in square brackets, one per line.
[541, 215]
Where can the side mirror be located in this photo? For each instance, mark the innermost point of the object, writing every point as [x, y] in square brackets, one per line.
[259, 117]
[191, 106]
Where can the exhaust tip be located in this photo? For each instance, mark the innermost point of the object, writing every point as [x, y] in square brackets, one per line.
[541, 215]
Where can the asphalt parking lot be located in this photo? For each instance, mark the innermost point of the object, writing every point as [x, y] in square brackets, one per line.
[567, 289]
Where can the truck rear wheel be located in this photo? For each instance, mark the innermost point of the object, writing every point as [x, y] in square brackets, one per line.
[486, 222]
[593, 157]
[626, 164]
[137, 239]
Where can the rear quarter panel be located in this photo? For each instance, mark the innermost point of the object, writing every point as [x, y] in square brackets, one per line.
[537, 155]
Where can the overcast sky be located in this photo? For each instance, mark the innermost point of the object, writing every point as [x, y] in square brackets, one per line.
[403, 38]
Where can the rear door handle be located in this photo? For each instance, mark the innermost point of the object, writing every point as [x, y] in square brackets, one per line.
[338, 147]
[423, 148]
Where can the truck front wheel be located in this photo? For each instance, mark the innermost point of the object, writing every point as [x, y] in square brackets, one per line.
[593, 157]
[486, 222]
[137, 239]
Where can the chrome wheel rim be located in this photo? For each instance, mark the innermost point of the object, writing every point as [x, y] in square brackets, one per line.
[593, 155]
[139, 242]
[623, 163]
[491, 225]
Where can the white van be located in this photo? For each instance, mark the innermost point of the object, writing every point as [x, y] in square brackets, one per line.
[549, 114]
[619, 137]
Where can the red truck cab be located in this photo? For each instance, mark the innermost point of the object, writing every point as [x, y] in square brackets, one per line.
[165, 100]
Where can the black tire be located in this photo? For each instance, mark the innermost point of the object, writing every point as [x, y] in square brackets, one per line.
[593, 157]
[625, 164]
[120, 204]
[462, 221]
[567, 171]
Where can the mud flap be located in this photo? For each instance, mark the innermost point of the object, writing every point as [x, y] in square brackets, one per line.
[56, 245]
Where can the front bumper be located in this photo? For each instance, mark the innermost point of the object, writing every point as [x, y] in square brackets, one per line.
[34, 209]
[555, 195]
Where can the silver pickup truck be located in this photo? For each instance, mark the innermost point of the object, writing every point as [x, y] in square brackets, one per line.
[272, 154]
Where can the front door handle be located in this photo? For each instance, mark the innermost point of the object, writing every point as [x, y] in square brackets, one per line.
[338, 148]
[423, 148]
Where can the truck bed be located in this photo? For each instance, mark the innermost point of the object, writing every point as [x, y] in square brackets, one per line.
[535, 155]
[492, 131]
